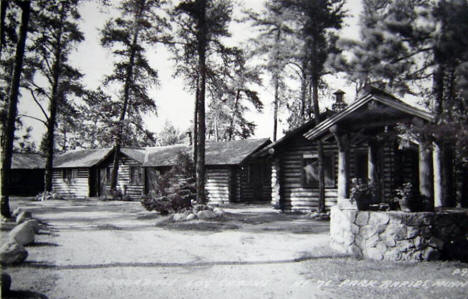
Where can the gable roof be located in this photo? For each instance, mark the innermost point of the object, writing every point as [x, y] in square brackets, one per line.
[137, 154]
[27, 161]
[373, 94]
[81, 158]
[291, 134]
[216, 153]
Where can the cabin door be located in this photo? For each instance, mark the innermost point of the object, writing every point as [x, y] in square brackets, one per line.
[102, 181]
[256, 181]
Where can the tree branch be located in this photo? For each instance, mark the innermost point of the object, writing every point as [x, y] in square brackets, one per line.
[39, 104]
[32, 117]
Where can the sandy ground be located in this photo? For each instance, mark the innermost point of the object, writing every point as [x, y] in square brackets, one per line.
[95, 249]
[115, 250]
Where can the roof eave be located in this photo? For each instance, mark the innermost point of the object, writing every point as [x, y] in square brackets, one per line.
[320, 128]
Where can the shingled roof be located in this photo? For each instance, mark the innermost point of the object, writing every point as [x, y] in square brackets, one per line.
[27, 161]
[90, 157]
[81, 158]
[216, 153]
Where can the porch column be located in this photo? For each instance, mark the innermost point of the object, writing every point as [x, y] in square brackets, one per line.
[275, 183]
[438, 184]
[343, 166]
[373, 171]
[425, 173]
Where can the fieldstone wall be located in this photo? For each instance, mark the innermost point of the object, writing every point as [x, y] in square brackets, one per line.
[397, 235]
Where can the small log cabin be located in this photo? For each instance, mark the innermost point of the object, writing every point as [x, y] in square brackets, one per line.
[359, 141]
[27, 174]
[232, 175]
[80, 174]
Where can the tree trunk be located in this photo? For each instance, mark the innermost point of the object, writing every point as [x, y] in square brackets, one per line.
[195, 128]
[9, 130]
[126, 99]
[275, 109]
[200, 165]
[232, 125]
[3, 10]
[54, 99]
[321, 199]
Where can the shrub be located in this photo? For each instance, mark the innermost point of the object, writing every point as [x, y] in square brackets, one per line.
[175, 189]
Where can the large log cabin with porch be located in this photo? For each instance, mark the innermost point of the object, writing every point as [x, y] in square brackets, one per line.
[232, 175]
[80, 174]
[361, 140]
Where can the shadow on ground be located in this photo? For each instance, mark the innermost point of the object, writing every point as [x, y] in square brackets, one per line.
[24, 295]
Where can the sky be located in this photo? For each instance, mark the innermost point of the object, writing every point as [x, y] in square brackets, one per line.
[174, 102]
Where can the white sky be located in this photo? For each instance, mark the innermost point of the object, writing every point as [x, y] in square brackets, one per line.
[173, 101]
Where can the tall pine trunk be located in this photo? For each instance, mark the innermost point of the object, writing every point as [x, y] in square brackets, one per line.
[9, 130]
[200, 163]
[233, 118]
[195, 128]
[321, 201]
[275, 108]
[3, 10]
[126, 99]
[54, 101]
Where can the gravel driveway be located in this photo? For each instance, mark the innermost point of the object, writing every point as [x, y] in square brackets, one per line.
[119, 250]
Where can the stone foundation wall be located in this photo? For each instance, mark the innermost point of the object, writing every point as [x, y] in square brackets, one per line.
[397, 235]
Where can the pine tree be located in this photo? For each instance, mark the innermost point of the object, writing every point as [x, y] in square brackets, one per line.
[55, 34]
[201, 25]
[319, 21]
[273, 44]
[140, 24]
[232, 95]
[8, 130]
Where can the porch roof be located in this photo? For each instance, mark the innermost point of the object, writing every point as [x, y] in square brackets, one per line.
[373, 95]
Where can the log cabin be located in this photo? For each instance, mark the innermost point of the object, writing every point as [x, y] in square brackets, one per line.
[27, 174]
[362, 140]
[232, 175]
[80, 174]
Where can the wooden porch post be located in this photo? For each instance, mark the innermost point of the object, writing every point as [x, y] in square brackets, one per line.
[425, 173]
[438, 179]
[275, 183]
[373, 171]
[343, 165]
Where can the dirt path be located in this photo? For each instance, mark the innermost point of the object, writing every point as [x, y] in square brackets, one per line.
[114, 250]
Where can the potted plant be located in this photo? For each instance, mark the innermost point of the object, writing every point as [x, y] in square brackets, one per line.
[362, 193]
[406, 197]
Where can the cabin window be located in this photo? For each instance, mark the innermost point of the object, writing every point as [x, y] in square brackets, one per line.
[136, 176]
[69, 175]
[310, 169]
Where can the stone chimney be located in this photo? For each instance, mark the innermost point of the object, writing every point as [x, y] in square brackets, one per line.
[339, 104]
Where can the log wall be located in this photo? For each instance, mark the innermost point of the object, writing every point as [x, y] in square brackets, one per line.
[133, 190]
[219, 181]
[294, 195]
[77, 188]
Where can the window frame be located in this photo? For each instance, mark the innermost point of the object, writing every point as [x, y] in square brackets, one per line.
[329, 170]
